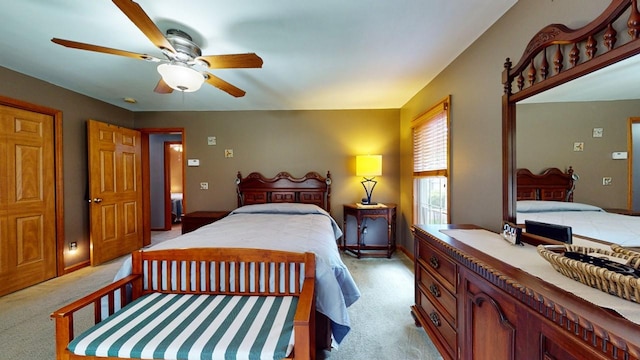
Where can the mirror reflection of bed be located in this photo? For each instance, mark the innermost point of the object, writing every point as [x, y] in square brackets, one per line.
[549, 197]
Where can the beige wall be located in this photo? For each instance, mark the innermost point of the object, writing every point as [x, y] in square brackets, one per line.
[299, 141]
[474, 82]
[274, 141]
[547, 132]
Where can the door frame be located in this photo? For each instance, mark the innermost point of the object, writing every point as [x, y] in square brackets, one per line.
[168, 223]
[58, 172]
[146, 176]
[630, 122]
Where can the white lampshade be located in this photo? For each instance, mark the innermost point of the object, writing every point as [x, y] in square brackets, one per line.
[369, 165]
[181, 77]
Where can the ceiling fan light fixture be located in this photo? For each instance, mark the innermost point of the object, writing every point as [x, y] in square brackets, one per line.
[181, 77]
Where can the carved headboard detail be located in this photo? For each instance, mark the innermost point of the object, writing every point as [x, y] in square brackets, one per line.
[552, 184]
[312, 188]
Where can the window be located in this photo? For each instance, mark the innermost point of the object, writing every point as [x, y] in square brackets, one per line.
[431, 165]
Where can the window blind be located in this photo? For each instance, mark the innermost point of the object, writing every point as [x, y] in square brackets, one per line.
[430, 142]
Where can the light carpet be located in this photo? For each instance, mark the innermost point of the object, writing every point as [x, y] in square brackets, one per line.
[382, 326]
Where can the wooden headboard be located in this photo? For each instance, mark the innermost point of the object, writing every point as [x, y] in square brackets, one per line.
[552, 184]
[312, 188]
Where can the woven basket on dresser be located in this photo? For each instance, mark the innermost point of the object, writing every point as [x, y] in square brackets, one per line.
[624, 286]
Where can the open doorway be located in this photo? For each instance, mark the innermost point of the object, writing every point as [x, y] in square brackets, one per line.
[160, 192]
[158, 172]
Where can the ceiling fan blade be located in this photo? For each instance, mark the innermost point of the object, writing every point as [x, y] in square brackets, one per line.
[102, 49]
[232, 61]
[135, 13]
[224, 86]
[163, 88]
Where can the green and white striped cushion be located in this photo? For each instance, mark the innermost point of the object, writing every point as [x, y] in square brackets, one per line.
[184, 326]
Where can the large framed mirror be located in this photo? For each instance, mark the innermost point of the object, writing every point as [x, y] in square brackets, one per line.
[574, 79]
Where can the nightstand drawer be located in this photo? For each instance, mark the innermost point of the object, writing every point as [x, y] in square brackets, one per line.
[437, 293]
[439, 264]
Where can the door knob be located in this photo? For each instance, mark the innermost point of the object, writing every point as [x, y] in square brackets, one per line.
[97, 200]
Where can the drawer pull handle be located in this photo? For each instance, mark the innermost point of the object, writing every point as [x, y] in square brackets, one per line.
[433, 288]
[433, 261]
[435, 319]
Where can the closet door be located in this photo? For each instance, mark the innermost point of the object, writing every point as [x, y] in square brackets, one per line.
[115, 185]
[27, 199]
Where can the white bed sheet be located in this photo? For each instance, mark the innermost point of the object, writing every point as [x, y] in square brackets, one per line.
[593, 223]
[288, 227]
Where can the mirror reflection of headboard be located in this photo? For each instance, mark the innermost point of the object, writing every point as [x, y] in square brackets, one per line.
[551, 185]
[554, 56]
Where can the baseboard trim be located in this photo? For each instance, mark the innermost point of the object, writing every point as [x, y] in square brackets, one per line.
[409, 254]
[76, 267]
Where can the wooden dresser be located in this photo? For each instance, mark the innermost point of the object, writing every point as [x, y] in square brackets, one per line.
[473, 306]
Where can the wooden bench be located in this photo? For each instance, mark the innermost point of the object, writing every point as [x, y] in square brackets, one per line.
[181, 279]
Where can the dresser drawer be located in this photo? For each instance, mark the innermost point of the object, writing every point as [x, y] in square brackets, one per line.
[435, 320]
[439, 264]
[437, 293]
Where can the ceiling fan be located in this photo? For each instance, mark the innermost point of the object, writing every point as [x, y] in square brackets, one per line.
[177, 72]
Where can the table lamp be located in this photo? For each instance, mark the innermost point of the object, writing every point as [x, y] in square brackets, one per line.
[368, 166]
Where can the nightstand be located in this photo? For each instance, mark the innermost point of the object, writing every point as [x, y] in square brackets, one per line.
[196, 219]
[387, 212]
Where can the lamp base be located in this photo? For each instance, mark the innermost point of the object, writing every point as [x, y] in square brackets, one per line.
[366, 201]
[371, 206]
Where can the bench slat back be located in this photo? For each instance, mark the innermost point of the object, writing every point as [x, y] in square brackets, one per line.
[233, 271]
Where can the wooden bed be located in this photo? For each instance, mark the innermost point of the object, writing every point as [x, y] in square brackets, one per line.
[552, 184]
[312, 188]
[207, 263]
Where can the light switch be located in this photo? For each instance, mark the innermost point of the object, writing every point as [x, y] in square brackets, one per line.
[228, 153]
[619, 155]
[193, 162]
[211, 140]
[204, 186]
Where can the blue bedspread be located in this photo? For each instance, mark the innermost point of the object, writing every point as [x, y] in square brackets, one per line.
[288, 227]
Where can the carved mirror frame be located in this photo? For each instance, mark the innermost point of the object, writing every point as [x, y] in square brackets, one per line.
[572, 53]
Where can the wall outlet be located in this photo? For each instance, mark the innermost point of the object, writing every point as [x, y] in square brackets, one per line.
[204, 186]
[606, 181]
[228, 153]
[211, 140]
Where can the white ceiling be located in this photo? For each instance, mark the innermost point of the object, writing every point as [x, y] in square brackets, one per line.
[335, 54]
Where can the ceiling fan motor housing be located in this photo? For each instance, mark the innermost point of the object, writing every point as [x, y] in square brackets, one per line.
[186, 49]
